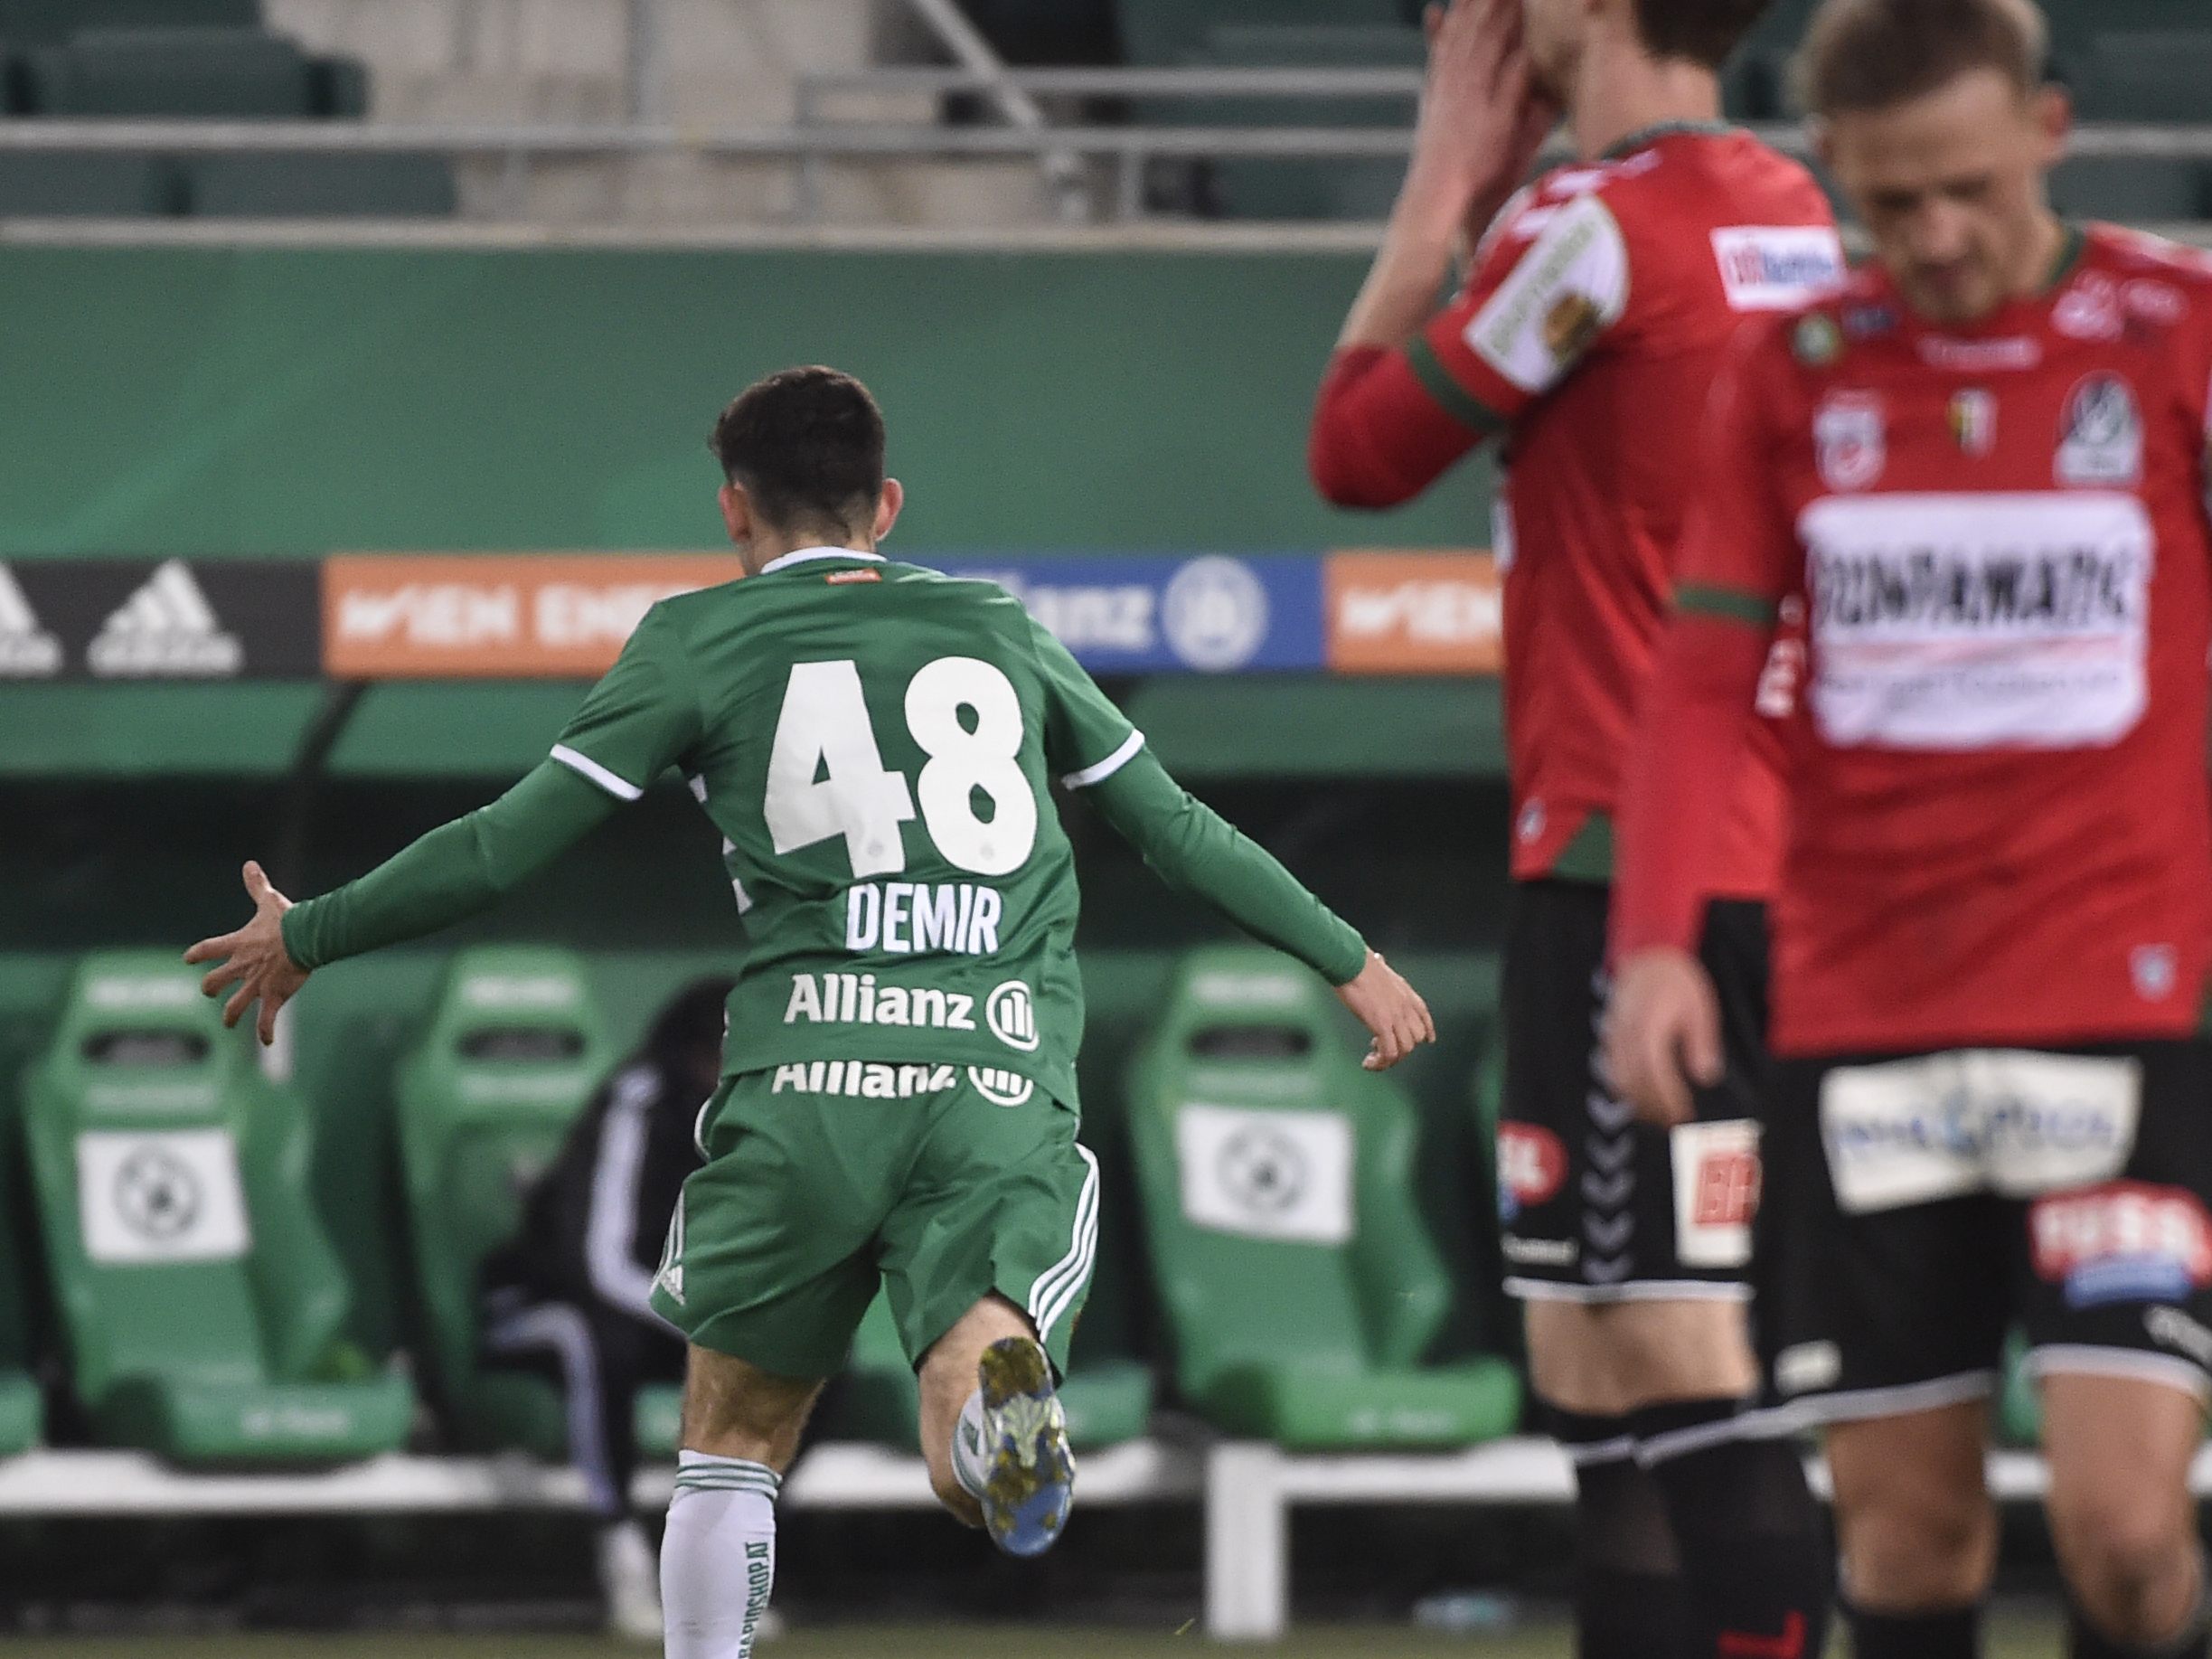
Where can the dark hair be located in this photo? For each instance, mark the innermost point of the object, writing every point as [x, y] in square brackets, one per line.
[1705, 31]
[690, 1022]
[807, 445]
[1862, 55]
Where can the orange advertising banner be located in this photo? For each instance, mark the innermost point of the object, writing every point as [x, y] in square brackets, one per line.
[1400, 612]
[526, 616]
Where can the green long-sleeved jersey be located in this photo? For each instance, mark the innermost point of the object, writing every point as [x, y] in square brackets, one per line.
[874, 742]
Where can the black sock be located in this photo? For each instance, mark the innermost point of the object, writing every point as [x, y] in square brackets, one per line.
[1628, 1587]
[2194, 1641]
[1955, 1634]
[1756, 1570]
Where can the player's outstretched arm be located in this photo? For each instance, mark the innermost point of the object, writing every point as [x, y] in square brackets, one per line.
[1196, 851]
[449, 875]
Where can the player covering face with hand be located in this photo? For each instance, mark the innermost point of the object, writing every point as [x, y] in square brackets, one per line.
[874, 741]
[1981, 470]
[1599, 304]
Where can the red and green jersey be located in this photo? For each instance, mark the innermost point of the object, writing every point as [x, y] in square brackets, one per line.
[1586, 338]
[1999, 824]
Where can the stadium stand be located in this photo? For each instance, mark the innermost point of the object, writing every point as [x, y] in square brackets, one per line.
[514, 1050]
[197, 60]
[1301, 1288]
[201, 1300]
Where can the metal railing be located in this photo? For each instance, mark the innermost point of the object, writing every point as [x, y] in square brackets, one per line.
[1115, 155]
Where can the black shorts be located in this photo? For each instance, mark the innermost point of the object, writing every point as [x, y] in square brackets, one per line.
[1920, 1207]
[1592, 1205]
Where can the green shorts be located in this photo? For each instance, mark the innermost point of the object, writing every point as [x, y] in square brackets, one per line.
[942, 1183]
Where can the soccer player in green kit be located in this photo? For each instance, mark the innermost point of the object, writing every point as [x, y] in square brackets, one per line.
[898, 1102]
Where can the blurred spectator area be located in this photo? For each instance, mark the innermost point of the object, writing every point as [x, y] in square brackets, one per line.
[700, 113]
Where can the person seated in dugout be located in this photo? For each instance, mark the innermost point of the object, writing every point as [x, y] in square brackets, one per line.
[571, 1291]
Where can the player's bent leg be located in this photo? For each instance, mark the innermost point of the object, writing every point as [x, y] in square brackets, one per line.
[993, 1432]
[2121, 1517]
[741, 1427]
[1690, 1507]
[1916, 1530]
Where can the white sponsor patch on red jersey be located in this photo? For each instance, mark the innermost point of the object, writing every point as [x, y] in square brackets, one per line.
[1778, 268]
[1967, 622]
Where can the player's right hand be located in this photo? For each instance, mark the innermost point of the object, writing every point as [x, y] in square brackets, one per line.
[1391, 1010]
[1663, 1035]
[253, 958]
[1483, 117]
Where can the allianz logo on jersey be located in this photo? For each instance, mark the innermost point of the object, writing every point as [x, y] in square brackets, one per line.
[900, 918]
[1008, 1012]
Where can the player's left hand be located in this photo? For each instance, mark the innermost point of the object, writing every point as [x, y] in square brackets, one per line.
[253, 958]
[1391, 1010]
[1663, 1034]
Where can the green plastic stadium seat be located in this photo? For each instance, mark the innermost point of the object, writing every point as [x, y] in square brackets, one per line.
[22, 1411]
[2020, 1407]
[36, 184]
[514, 1048]
[1301, 190]
[878, 1398]
[320, 187]
[239, 74]
[1170, 31]
[1107, 1399]
[2132, 190]
[200, 1299]
[47, 22]
[339, 87]
[2144, 75]
[1301, 1288]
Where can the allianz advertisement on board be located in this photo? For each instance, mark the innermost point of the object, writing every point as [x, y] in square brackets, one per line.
[564, 616]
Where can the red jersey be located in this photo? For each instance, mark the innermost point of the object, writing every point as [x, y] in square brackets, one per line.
[1598, 311]
[2000, 827]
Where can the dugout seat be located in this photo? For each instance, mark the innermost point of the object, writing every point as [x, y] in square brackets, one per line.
[1300, 1284]
[199, 1300]
[514, 1047]
[22, 1410]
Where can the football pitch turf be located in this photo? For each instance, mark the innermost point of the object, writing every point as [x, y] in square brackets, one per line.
[2010, 1639]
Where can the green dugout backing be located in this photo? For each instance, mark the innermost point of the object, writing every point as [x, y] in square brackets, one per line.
[199, 1300]
[1301, 1285]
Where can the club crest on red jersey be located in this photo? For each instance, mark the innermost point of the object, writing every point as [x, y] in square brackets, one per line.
[2090, 309]
[1973, 422]
[2100, 435]
[1850, 435]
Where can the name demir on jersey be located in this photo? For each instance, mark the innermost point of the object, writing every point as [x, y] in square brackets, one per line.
[899, 918]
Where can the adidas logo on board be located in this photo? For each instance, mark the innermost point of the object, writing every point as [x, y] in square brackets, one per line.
[166, 627]
[27, 651]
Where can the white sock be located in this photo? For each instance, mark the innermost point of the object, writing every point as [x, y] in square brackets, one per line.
[971, 1463]
[717, 1557]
